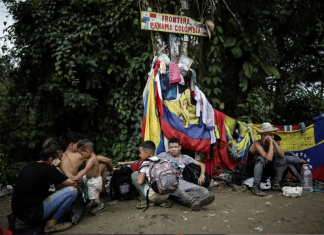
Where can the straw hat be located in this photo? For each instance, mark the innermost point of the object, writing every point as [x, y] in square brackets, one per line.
[210, 25]
[266, 128]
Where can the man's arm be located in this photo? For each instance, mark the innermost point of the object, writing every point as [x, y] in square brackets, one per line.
[201, 178]
[107, 162]
[70, 182]
[88, 166]
[125, 163]
[279, 151]
[269, 155]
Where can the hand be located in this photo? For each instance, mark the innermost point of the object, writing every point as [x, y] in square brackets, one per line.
[115, 169]
[302, 161]
[118, 164]
[269, 139]
[201, 179]
[79, 183]
[74, 178]
[56, 162]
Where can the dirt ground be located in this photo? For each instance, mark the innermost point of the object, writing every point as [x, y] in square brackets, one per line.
[231, 212]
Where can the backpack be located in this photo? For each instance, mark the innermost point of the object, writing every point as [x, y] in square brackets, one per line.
[239, 174]
[191, 174]
[121, 185]
[163, 179]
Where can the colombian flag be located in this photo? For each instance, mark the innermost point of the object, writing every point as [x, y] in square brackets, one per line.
[151, 128]
[304, 146]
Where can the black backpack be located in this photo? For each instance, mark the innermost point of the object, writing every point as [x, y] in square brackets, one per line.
[239, 175]
[191, 174]
[121, 185]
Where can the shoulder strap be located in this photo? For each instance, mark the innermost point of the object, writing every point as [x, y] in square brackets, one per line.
[69, 160]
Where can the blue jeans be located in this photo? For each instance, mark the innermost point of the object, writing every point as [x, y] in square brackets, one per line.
[188, 191]
[140, 187]
[58, 203]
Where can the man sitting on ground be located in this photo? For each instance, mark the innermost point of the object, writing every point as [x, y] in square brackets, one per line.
[188, 194]
[264, 157]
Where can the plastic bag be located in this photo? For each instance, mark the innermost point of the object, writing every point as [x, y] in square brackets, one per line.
[292, 191]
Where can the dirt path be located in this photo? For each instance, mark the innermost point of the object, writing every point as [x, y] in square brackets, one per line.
[230, 213]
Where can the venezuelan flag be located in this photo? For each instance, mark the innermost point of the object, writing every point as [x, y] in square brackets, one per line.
[151, 128]
[179, 120]
[304, 146]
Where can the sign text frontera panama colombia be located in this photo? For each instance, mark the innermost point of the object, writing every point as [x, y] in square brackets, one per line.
[172, 24]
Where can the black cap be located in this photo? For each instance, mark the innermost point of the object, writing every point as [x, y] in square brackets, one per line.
[277, 137]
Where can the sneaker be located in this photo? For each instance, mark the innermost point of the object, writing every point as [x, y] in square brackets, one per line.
[257, 192]
[100, 208]
[205, 201]
[91, 204]
[276, 187]
[195, 204]
[53, 227]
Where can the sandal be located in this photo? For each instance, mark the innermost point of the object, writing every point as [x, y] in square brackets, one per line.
[141, 205]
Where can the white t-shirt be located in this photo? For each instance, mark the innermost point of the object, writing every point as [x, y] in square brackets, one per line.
[153, 196]
[178, 164]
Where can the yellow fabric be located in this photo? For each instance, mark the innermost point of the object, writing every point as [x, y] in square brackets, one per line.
[243, 144]
[152, 126]
[292, 140]
[231, 123]
[217, 132]
[183, 108]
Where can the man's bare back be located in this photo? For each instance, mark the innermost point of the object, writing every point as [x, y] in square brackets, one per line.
[72, 161]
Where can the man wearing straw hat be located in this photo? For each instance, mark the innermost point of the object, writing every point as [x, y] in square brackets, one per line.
[265, 158]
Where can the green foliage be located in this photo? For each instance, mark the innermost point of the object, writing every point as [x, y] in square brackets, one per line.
[258, 106]
[82, 66]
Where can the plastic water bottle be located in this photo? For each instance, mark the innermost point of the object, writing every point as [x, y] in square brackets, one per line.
[306, 179]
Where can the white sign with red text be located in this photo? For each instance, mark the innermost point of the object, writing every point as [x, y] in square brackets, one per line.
[171, 24]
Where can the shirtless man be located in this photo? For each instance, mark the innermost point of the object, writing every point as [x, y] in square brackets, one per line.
[72, 159]
[93, 177]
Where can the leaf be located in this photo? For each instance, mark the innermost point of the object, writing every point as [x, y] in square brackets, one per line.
[244, 81]
[220, 30]
[135, 22]
[221, 39]
[215, 40]
[247, 67]
[270, 70]
[215, 101]
[208, 91]
[237, 52]
[229, 41]
[221, 106]
[232, 25]
[217, 91]
[216, 80]
[241, 106]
